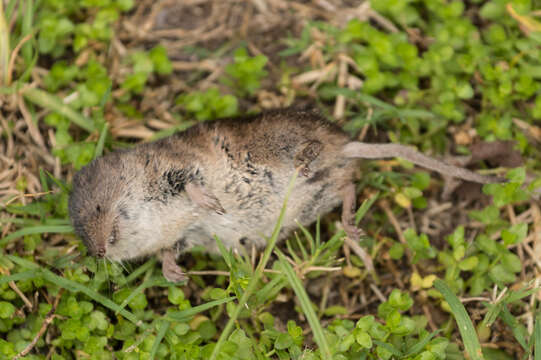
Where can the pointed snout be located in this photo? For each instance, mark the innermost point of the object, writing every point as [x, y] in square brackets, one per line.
[95, 250]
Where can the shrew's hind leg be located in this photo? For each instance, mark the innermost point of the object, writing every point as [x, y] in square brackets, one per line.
[348, 222]
[348, 212]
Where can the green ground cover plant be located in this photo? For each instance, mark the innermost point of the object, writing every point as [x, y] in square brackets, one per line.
[80, 78]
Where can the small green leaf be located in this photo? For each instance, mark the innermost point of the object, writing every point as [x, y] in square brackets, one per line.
[420, 180]
[500, 275]
[6, 310]
[487, 216]
[459, 251]
[464, 91]
[468, 264]
[457, 237]
[217, 293]
[283, 341]
[512, 263]
[365, 323]
[158, 56]
[487, 245]
[400, 300]
[515, 234]
[364, 339]
[207, 330]
[181, 329]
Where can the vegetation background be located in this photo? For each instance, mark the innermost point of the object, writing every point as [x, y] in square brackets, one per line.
[457, 79]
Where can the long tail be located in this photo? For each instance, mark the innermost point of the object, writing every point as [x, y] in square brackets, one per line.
[380, 151]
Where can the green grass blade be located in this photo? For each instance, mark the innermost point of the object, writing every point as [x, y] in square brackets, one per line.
[185, 315]
[306, 306]
[4, 47]
[140, 270]
[17, 221]
[28, 16]
[422, 343]
[33, 222]
[53, 103]
[101, 141]
[43, 180]
[23, 78]
[366, 205]
[23, 262]
[310, 239]
[257, 274]
[54, 221]
[58, 182]
[10, 8]
[168, 132]
[318, 236]
[415, 113]
[290, 249]
[465, 326]
[145, 285]
[372, 100]
[519, 331]
[493, 313]
[271, 289]
[164, 326]
[519, 295]
[537, 335]
[389, 347]
[41, 229]
[333, 91]
[25, 275]
[226, 254]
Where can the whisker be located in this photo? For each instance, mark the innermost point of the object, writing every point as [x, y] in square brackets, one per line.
[105, 259]
[123, 265]
[98, 265]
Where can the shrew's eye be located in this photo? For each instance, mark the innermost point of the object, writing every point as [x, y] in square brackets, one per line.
[112, 237]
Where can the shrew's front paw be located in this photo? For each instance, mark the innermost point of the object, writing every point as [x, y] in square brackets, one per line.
[173, 273]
